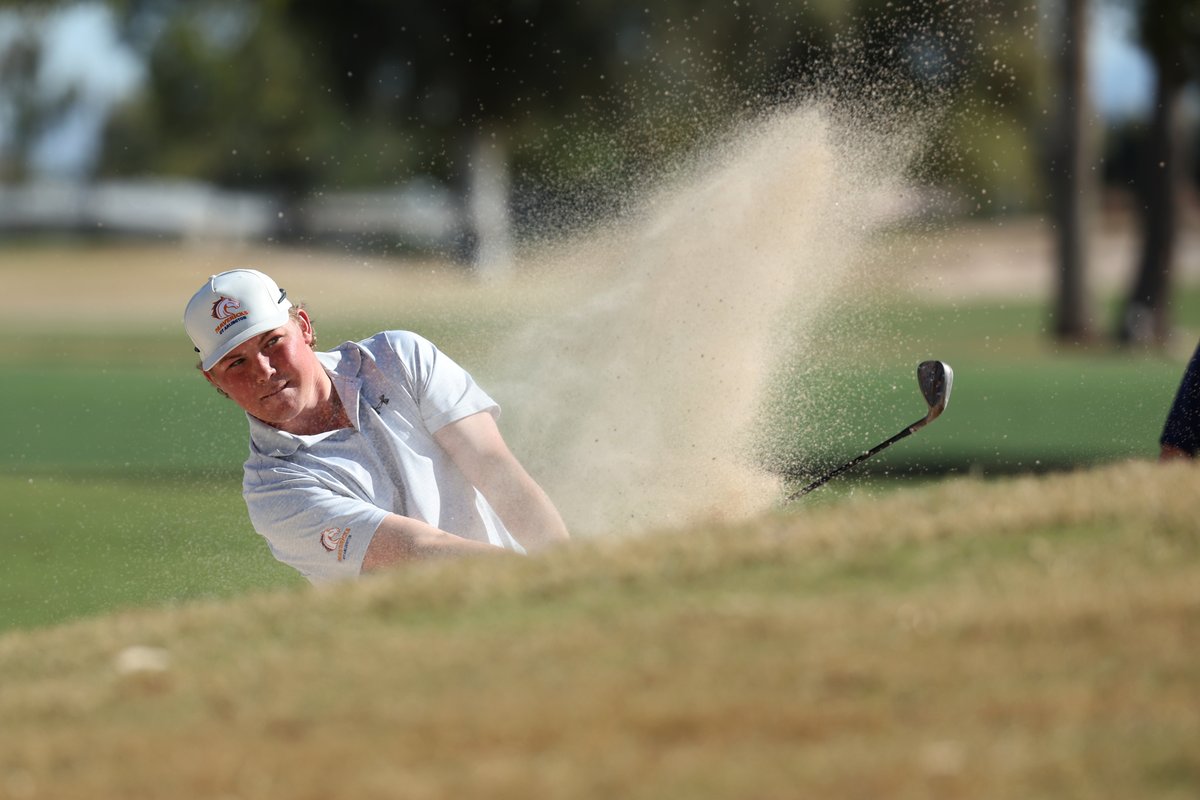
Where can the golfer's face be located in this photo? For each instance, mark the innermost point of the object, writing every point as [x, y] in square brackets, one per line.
[273, 376]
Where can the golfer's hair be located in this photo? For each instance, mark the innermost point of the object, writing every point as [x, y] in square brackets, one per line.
[294, 316]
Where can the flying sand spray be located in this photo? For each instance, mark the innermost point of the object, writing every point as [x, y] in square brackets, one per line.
[635, 404]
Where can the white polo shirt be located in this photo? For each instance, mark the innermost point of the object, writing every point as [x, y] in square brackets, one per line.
[319, 499]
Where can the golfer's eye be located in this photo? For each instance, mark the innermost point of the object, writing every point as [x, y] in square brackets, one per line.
[236, 362]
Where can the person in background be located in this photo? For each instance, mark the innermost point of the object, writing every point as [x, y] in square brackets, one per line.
[1181, 433]
[368, 455]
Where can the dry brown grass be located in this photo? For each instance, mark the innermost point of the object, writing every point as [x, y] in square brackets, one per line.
[1030, 638]
[128, 285]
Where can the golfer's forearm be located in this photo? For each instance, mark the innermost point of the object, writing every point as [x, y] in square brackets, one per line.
[478, 449]
[400, 539]
[526, 511]
[537, 523]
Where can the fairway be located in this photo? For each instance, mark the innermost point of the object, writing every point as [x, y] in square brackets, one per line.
[86, 543]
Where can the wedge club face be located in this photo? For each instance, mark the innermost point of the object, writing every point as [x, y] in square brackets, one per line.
[935, 378]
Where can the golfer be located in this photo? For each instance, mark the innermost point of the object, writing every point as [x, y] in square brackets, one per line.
[371, 454]
[1181, 433]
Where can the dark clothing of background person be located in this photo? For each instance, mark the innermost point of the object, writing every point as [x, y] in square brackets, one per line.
[1181, 433]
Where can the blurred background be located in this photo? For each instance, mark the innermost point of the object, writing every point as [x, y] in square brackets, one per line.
[1043, 238]
[464, 129]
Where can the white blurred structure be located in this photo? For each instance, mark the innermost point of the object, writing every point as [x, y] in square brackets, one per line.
[421, 214]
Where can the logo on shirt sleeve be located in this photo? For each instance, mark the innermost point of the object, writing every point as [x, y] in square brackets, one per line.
[335, 540]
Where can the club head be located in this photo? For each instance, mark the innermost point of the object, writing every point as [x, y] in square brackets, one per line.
[936, 379]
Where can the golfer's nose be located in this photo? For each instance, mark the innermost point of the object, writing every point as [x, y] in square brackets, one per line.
[263, 369]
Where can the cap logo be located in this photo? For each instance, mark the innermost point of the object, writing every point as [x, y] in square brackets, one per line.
[226, 312]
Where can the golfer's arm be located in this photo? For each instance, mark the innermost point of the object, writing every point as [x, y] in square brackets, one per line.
[478, 449]
[399, 539]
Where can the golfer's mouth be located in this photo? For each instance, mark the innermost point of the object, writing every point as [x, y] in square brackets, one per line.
[269, 395]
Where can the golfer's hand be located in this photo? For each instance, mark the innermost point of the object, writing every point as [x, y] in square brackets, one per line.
[1170, 452]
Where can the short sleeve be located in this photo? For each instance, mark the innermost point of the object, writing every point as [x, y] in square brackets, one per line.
[309, 523]
[443, 390]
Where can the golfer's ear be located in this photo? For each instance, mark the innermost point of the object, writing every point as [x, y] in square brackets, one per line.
[306, 325]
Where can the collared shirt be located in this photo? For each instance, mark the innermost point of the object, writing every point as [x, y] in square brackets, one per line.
[319, 499]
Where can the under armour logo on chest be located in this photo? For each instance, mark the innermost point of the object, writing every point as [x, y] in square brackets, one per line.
[383, 401]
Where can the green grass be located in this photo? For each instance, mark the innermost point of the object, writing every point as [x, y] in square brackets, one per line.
[89, 418]
[78, 545]
[1049, 413]
[1020, 401]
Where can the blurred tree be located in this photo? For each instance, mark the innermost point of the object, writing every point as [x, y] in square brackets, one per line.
[28, 108]
[984, 142]
[471, 76]
[1073, 182]
[232, 97]
[1170, 32]
[19, 59]
[535, 99]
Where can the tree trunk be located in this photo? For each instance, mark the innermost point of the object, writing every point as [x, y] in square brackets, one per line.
[488, 207]
[1074, 195]
[1145, 317]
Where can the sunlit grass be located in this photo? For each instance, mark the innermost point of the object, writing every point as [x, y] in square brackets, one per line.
[968, 638]
[80, 544]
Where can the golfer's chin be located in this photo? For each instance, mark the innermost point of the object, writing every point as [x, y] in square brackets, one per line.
[278, 409]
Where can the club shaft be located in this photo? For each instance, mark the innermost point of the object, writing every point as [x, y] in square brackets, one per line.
[911, 429]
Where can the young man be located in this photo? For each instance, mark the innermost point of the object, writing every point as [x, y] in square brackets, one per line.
[371, 454]
[1181, 433]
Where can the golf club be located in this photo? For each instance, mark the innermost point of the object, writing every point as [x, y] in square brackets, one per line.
[935, 379]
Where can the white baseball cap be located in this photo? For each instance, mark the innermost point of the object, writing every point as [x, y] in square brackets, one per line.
[231, 308]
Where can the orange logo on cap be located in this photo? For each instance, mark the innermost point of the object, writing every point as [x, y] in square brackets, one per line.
[226, 311]
[225, 307]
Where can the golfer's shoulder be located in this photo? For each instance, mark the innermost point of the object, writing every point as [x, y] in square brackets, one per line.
[265, 479]
[409, 351]
[262, 463]
[404, 344]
